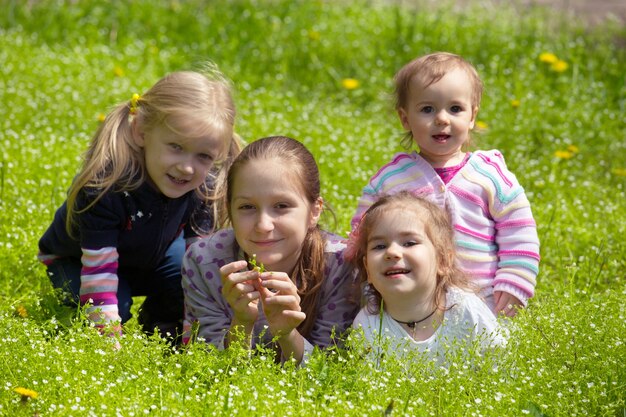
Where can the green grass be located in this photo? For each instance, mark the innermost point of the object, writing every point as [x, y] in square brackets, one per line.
[64, 63]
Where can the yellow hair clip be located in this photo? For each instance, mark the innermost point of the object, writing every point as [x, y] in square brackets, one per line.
[134, 101]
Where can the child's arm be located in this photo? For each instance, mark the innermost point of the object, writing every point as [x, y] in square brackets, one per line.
[517, 240]
[99, 233]
[518, 257]
[99, 284]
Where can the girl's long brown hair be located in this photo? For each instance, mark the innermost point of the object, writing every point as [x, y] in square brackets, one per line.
[188, 103]
[308, 273]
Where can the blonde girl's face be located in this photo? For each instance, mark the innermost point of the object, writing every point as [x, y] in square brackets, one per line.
[270, 213]
[440, 117]
[176, 164]
[400, 259]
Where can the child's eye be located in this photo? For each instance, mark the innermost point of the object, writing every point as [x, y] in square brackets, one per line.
[378, 246]
[175, 146]
[282, 206]
[456, 109]
[205, 157]
[427, 109]
[246, 207]
[410, 243]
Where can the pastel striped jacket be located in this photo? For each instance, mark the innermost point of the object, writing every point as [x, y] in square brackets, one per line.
[496, 235]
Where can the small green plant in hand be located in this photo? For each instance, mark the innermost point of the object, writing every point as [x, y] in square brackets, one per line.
[257, 267]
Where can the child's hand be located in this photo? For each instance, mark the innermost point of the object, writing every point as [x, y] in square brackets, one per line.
[506, 304]
[281, 303]
[240, 288]
[112, 331]
[116, 345]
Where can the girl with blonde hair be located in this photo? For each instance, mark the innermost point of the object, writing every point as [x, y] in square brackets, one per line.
[146, 185]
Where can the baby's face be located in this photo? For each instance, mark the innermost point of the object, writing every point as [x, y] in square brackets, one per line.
[440, 117]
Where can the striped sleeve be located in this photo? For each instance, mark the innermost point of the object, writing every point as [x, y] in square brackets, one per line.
[515, 230]
[99, 283]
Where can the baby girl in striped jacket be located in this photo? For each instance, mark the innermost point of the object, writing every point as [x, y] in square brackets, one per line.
[437, 99]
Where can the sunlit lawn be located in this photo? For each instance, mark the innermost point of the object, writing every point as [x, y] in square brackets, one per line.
[554, 104]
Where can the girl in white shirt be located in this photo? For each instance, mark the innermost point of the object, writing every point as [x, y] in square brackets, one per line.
[416, 296]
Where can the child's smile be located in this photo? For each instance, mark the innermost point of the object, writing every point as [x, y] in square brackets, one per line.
[177, 181]
[441, 138]
[397, 272]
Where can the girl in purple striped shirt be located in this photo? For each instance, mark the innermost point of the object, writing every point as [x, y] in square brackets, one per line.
[437, 99]
[144, 187]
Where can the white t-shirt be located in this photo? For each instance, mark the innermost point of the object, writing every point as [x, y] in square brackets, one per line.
[466, 319]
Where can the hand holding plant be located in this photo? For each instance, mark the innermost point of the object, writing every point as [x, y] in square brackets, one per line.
[281, 303]
[240, 288]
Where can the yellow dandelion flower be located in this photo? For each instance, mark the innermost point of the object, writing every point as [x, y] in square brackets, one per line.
[101, 117]
[548, 57]
[26, 393]
[573, 148]
[559, 66]
[515, 103]
[118, 71]
[621, 172]
[480, 125]
[314, 35]
[350, 83]
[21, 312]
[564, 154]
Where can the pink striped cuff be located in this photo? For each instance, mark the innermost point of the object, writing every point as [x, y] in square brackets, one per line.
[530, 254]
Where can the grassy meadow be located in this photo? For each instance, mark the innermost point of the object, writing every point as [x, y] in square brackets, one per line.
[321, 71]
